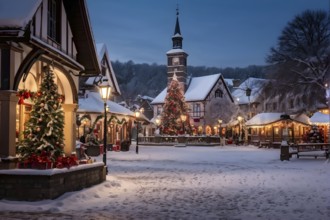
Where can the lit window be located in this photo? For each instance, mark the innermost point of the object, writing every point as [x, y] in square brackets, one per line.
[196, 110]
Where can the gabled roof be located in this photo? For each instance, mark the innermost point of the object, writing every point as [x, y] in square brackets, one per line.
[78, 17]
[102, 51]
[16, 14]
[94, 104]
[267, 118]
[160, 99]
[255, 84]
[198, 89]
[320, 118]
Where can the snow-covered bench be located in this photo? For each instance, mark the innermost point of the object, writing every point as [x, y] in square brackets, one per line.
[312, 150]
[316, 153]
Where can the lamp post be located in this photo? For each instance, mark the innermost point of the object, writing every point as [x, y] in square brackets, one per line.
[327, 96]
[248, 94]
[105, 90]
[239, 118]
[183, 119]
[220, 122]
[137, 115]
[158, 123]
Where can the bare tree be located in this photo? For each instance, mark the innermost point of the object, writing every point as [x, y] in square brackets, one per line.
[300, 63]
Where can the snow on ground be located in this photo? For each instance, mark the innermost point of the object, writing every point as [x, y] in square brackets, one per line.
[194, 183]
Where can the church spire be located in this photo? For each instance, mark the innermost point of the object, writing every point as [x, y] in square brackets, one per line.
[177, 25]
[177, 38]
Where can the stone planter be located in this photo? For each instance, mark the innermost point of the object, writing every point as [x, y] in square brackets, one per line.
[35, 185]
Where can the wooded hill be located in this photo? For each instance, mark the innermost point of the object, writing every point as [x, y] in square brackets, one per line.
[145, 79]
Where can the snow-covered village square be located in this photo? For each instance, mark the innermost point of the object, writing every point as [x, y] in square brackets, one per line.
[163, 182]
[107, 113]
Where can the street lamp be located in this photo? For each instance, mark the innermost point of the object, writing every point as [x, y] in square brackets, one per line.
[105, 91]
[183, 119]
[158, 120]
[137, 115]
[220, 122]
[239, 118]
[327, 96]
[248, 94]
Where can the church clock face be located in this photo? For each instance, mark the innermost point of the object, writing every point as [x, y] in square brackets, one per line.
[175, 61]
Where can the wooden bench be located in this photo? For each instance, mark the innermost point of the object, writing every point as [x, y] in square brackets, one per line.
[265, 144]
[311, 150]
[255, 142]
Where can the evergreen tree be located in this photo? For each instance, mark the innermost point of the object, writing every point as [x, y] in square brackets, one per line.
[316, 135]
[43, 134]
[174, 107]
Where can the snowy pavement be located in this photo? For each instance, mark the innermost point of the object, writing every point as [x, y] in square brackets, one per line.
[194, 183]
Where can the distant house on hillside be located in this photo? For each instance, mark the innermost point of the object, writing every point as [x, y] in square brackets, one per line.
[208, 97]
[145, 103]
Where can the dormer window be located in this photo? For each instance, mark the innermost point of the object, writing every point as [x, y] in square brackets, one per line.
[54, 20]
[218, 93]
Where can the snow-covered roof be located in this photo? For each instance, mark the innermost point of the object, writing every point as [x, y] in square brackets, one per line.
[198, 89]
[229, 81]
[266, 118]
[17, 13]
[255, 84]
[320, 118]
[160, 98]
[175, 51]
[102, 51]
[93, 103]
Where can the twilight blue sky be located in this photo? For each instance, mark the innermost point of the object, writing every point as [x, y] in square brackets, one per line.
[216, 33]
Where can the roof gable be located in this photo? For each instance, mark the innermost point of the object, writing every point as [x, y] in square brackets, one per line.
[78, 17]
[198, 89]
[255, 84]
[102, 51]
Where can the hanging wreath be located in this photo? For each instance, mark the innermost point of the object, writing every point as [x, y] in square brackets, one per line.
[23, 94]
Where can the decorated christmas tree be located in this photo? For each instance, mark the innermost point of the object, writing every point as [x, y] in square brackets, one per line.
[174, 107]
[316, 135]
[43, 133]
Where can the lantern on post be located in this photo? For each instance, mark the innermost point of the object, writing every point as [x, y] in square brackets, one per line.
[105, 91]
[183, 119]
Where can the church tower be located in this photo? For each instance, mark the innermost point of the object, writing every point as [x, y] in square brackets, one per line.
[177, 58]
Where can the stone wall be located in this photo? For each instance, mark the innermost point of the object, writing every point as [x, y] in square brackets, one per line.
[34, 186]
